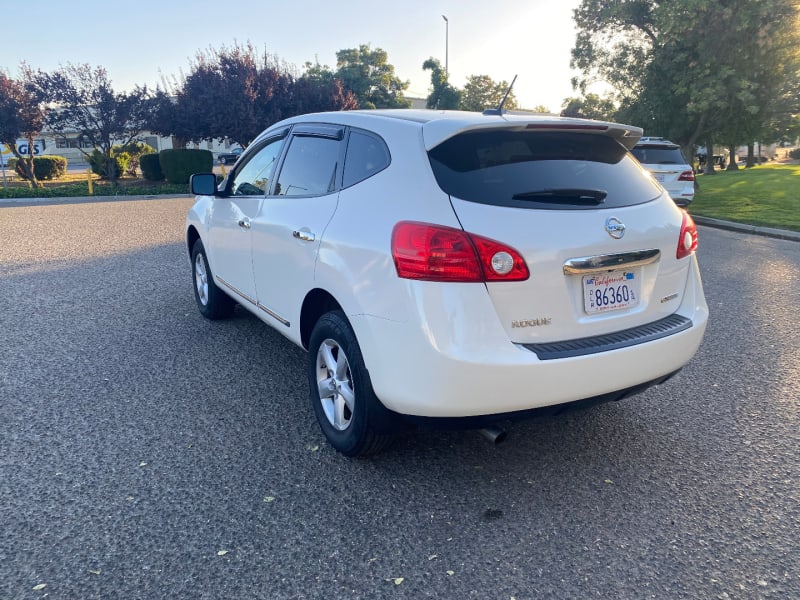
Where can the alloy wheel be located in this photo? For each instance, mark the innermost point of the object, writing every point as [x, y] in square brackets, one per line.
[201, 279]
[335, 385]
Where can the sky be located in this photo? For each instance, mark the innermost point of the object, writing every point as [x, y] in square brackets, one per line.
[139, 42]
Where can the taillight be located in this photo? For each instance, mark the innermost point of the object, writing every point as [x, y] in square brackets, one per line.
[686, 176]
[436, 253]
[687, 241]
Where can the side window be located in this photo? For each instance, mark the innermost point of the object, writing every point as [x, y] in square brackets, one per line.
[366, 155]
[255, 176]
[310, 167]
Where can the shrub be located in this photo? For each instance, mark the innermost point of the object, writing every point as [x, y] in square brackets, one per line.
[119, 164]
[179, 165]
[151, 167]
[135, 150]
[44, 167]
[795, 153]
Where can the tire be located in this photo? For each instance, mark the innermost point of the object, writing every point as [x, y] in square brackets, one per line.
[212, 302]
[341, 392]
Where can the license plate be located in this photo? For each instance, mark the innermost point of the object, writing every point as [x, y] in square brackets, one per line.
[615, 290]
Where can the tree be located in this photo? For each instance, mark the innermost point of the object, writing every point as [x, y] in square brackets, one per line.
[21, 116]
[314, 95]
[591, 106]
[235, 93]
[690, 69]
[86, 104]
[444, 96]
[481, 92]
[230, 93]
[368, 74]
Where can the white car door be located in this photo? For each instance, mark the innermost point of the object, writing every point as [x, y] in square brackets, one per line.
[289, 226]
[230, 232]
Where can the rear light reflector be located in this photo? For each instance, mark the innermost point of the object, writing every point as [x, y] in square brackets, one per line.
[566, 125]
[436, 253]
[687, 240]
[686, 176]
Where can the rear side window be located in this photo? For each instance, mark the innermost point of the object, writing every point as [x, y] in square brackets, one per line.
[366, 155]
[659, 155]
[543, 170]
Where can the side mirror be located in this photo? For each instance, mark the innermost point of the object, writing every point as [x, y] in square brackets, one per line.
[203, 184]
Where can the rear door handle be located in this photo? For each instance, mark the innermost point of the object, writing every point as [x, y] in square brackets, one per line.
[304, 235]
[244, 223]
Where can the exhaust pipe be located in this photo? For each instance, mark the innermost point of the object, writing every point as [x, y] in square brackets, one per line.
[494, 433]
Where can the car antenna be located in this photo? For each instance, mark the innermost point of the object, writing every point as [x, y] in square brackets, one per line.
[499, 109]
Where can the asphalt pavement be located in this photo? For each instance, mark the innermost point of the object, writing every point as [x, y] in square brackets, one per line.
[148, 453]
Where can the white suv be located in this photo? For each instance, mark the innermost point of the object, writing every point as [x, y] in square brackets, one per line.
[445, 267]
[666, 162]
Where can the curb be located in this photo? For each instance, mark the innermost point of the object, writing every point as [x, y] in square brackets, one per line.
[781, 234]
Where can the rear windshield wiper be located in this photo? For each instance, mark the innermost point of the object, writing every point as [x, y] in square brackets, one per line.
[564, 196]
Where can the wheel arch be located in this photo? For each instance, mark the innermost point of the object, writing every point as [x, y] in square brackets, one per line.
[192, 235]
[316, 303]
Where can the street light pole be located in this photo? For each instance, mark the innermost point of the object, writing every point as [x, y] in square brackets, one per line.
[446, 46]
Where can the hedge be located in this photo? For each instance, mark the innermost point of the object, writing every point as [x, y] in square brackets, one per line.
[44, 167]
[179, 164]
[151, 167]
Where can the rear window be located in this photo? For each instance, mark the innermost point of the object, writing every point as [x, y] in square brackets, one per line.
[659, 155]
[543, 170]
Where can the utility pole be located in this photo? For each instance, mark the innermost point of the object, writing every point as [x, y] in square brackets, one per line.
[446, 47]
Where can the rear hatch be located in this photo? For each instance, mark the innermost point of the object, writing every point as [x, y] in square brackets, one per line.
[598, 235]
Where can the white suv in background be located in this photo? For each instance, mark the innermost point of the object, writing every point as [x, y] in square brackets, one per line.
[451, 267]
[666, 162]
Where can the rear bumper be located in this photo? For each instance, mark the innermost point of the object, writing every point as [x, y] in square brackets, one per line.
[479, 421]
[450, 366]
[682, 196]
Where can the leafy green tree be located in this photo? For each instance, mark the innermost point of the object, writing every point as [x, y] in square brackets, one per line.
[691, 69]
[542, 109]
[86, 104]
[590, 106]
[444, 96]
[368, 74]
[22, 115]
[481, 92]
[318, 72]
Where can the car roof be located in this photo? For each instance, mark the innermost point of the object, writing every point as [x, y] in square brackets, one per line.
[440, 125]
[655, 142]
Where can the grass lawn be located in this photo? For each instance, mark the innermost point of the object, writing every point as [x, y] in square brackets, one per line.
[767, 195]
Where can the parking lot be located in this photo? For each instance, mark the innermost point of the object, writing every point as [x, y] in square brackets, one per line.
[148, 453]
